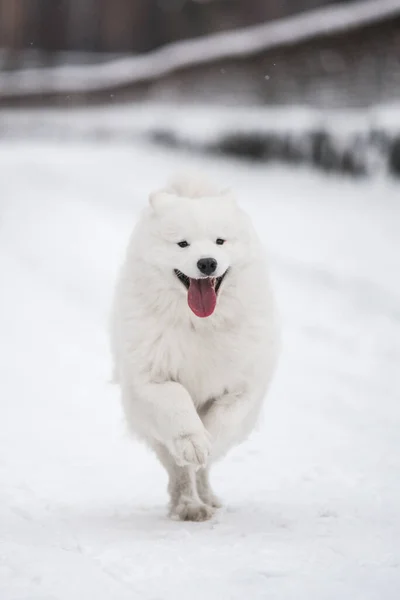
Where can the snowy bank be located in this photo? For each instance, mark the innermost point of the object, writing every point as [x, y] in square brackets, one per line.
[355, 142]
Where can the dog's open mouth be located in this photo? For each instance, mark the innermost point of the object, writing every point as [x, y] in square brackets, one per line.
[202, 293]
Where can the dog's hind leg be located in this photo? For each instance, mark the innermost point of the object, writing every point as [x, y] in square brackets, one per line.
[185, 504]
[204, 489]
[229, 420]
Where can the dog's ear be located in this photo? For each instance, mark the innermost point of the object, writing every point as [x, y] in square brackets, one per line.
[160, 200]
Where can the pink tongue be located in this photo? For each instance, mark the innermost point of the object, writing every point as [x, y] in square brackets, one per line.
[202, 297]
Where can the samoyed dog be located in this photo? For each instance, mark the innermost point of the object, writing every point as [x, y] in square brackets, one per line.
[194, 335]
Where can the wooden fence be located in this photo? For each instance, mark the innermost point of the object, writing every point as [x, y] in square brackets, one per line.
[129, 25]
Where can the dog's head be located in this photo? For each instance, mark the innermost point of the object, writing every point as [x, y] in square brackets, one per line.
[198, 242]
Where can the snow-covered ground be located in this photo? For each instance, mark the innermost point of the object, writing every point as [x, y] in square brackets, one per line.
[312, 499]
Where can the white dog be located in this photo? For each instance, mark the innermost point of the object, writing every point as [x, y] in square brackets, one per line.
[194, 336]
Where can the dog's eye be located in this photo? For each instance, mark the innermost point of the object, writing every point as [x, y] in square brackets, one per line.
[183, 244]
[220, 241]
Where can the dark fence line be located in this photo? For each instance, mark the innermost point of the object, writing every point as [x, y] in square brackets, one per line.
[129, 25]
[342, 56]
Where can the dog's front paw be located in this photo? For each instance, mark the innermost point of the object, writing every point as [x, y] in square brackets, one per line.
[211, 500]
[191, 449]
[191, 511]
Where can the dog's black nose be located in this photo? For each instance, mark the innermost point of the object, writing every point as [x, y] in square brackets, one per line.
[207, 266]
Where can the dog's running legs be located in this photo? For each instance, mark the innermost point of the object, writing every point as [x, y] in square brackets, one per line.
[228, 420]
[165, 413]
[185, 504]
[204, 489]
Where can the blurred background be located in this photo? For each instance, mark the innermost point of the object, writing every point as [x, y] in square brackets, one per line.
[295, 106]
[130, 26]
[308, 54]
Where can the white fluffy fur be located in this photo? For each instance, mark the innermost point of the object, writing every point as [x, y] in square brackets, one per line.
[192, 388]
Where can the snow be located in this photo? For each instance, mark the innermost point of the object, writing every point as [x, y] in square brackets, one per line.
[365, 135]
[311, 499]
[243, 42]
[195, 123]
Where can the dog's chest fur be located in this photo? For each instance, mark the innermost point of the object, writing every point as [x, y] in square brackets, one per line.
[207, 363]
